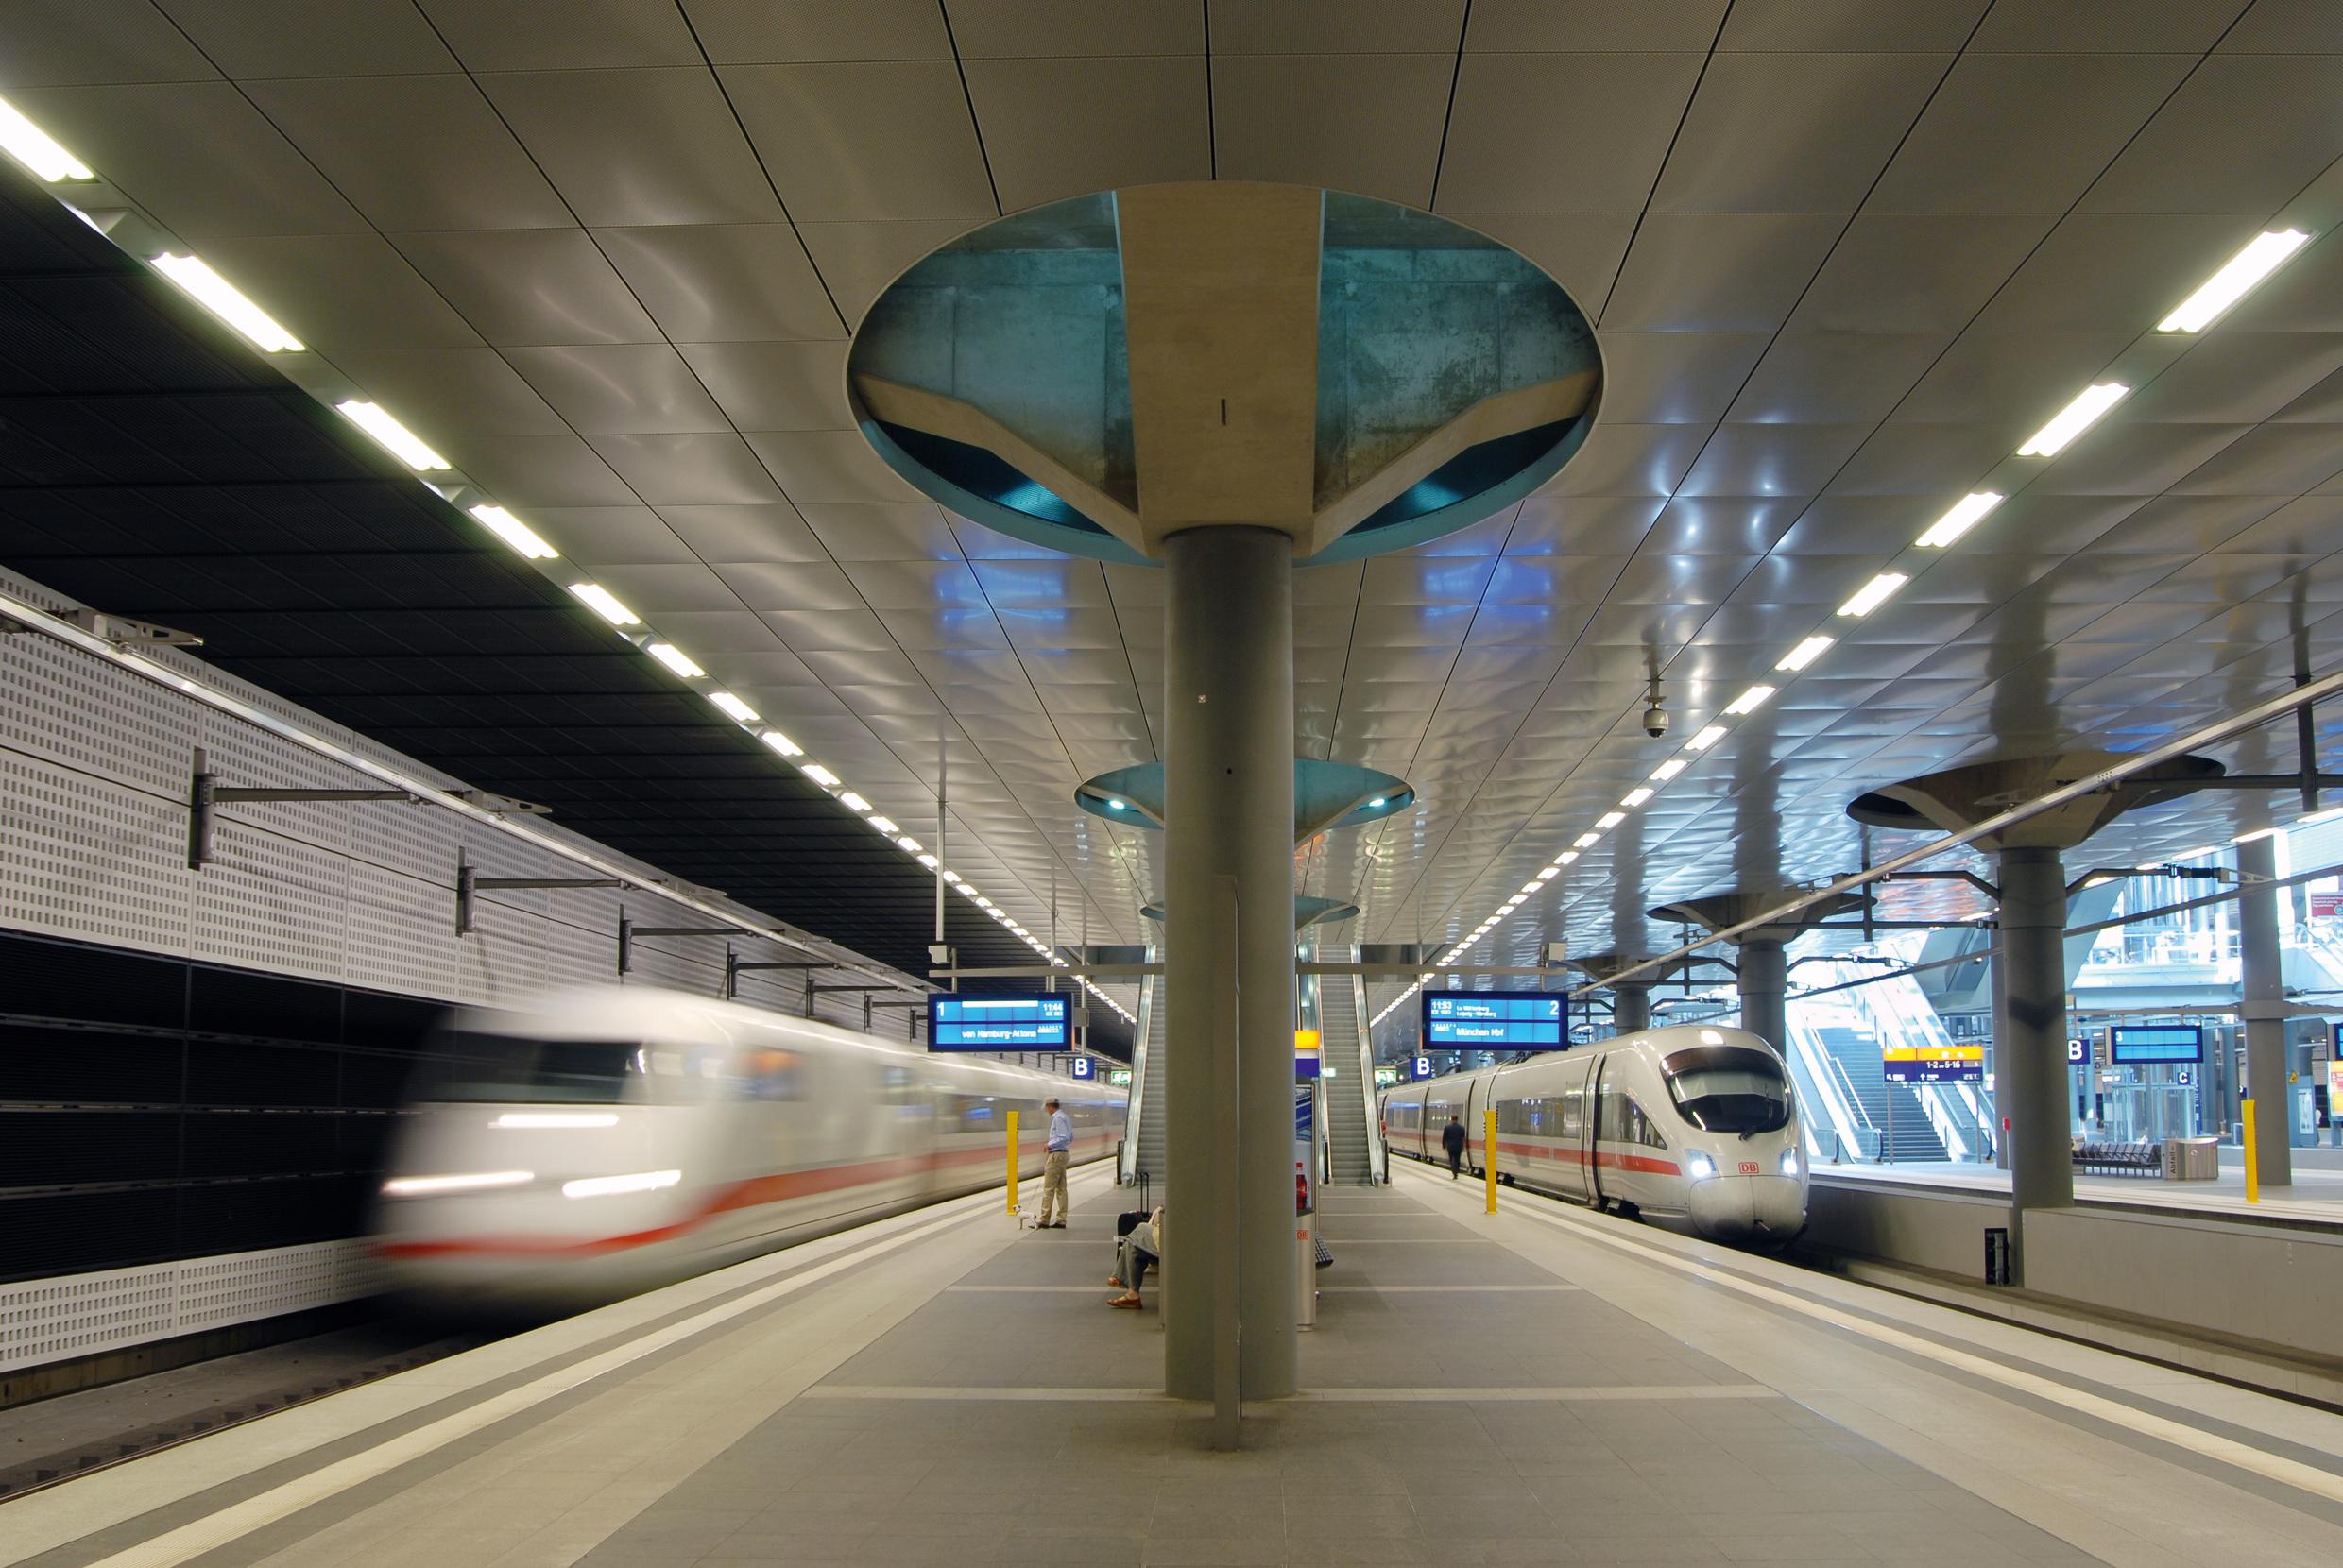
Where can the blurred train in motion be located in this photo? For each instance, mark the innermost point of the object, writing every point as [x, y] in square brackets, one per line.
[1691, 1127]
[610, 1139]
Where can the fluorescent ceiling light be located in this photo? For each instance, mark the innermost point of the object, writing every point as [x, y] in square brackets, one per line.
[1531, 886]
[605, 603]
[732, 707]
[885, 824]
[676, 659]
[927, 860]
[853, 802]
[1566, 857]
[1751, 700]
[1587, 840]
[909, 846]
[820, 775]
[1674, 765]
[401, 442]
[515, 533]
[1636, 797]
[951, 878]
[2265, 255]
[782, 744]
[224, 299]
[2257, 834]
[37, 149]
[2315, 818]
[2075, 418]
[1806, 653]
[1964, 514]
[1874, 594]
[1706, 739]
[1549, 873]
[1609, 820]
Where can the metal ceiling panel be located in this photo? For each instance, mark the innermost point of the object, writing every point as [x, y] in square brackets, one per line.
[757, 31]
[338, 292]
[612, 388]
[773, 385]
[101, 41]
[865, 141]
[1793, 132]
[1145, 120]
[254, 39]
[1555, 132]
[1367, 124]
[527, 287]
[1033, 29]
[723, 282]
[1534, 26]
[721, 534]
[636, 146]
[561, 35]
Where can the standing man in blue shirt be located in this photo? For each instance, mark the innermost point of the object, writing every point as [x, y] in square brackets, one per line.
[1054, 1157]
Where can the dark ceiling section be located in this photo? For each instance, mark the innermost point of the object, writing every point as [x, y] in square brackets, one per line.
[151, 466]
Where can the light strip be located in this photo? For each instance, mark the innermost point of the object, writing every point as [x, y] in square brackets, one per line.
[820, 775]
[605, 603]
[1749, 701]
[1965, 514]
[676, 659]
[37, 149]
[1874, 594]
[2085, 411]
[515, 533]
[1805, 653]
[853, 802]
[1587, 840]
[732, 707]
[2264, 254]
[1675, 765]
[1706, 739]
[1636, 797]
[400, 442]
[224, 301]
[1609, 820]
[782, 744]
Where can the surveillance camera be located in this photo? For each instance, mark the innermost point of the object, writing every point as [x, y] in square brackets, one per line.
[1655, 721]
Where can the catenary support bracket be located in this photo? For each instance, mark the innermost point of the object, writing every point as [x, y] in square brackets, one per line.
[469, 884]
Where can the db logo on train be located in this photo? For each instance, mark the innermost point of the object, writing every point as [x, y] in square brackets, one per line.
[1749, 1167]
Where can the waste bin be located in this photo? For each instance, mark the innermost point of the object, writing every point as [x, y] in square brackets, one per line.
[2191, 1159]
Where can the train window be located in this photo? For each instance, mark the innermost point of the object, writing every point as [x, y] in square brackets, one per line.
[1621, 1121]
[470, 1064]
[775, 1073]
[1573, 1113]
[1729, 1088]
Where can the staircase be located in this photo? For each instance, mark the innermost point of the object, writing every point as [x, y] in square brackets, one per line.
[1906, 1135]
[1347, 1130]
[1144, 1143]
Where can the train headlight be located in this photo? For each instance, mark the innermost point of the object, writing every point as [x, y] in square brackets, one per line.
[1699, 1165]
[1789, 1160]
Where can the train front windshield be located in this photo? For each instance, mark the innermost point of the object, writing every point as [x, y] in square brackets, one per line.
[1729, 1088]
[470, 1064]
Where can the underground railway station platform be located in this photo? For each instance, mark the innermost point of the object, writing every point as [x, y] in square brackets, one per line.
[1543, 1385]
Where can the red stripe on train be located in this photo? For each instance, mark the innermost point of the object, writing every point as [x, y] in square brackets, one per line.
[754, 1192]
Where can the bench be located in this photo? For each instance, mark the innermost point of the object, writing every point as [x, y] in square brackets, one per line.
[2120, 1159]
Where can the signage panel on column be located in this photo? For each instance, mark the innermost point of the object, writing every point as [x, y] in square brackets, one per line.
[1496, 1020]
[2149, 1045]
[1038, 1022]
[1932, 1064]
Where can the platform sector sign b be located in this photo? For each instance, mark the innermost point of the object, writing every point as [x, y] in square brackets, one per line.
[1037, 1022]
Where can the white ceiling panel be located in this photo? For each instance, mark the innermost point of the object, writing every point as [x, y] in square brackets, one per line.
[610, 388]
[718, 284]
[763, 31]
[1850, 26]
[858, 260]
[816, 465]
[1368, 123]
[597, 537]
[1793, 132]
[412, 152]
[1581, 251]
[1144, 119]
[524, 471]
[1545, 134]
[723, 535]
[198, 155]
[527, 287]
[1349, 26]
[1718, 271]
[688, 469]
[1824, 377]
[561, 35]
[100, 42]
[863, 140]
[1537, 26]
[336, 292]
[1034, 29]
[636, 146]
[1915, 272]
[451, 388]
[2241, 135]
[774, 386]
[883, 531]
[249, 38]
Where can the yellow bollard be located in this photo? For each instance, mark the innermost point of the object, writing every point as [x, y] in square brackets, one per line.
[1488, 1153]
[2253, 1168]
[1012, 1162]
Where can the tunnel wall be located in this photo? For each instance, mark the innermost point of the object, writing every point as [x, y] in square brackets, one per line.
[198, 1067]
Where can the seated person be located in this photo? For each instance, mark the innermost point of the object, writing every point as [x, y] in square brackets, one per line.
[1133, 1253]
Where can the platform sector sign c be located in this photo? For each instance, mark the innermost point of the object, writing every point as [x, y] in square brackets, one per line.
[1496, 1020]
[1040, 1022]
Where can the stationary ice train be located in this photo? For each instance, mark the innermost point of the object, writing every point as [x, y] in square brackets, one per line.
[608, 1139]
[1691, 1127]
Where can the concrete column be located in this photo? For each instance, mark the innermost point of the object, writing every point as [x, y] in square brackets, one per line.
[2264, 1004]
[1764, 982]
[2031, 1057]
[1229, 813]
[1630, 1006]
[1997, 973]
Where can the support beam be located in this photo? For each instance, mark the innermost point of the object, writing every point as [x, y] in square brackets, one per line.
[2262, 1004]
[2029, 1052]
[469, 884]
[1764, 984]
[1229, 816]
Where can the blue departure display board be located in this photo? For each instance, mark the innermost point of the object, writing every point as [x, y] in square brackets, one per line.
[2145, 1045]
[999, 1023]
[1496, 1020]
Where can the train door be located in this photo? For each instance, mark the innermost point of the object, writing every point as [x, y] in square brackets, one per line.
[1570, 1109]
[1476, 1136]
[1590, 1122]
